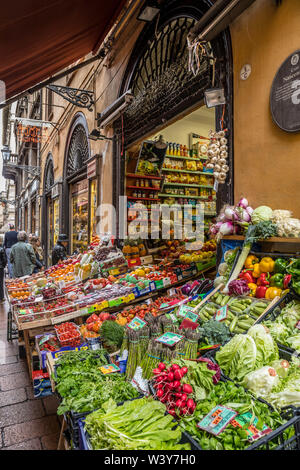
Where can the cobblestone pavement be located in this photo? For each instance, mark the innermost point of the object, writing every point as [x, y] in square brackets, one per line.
[25, 423]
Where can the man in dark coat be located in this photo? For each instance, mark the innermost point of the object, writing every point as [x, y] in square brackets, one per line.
[59, 252]
[10, 239]
[22, 257]
[3, 262]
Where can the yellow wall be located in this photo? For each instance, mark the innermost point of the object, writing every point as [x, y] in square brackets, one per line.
[266, 159]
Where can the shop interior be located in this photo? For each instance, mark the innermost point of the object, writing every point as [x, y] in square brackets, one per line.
[179, 174]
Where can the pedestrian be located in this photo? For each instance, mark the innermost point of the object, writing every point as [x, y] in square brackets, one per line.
[59, 252]
[38, 263]
[40, 250]
[3, 263]
[22, 257]
[10, 239]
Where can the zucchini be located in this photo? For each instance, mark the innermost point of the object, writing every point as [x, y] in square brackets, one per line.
[225, 300]
[233, 324]
[238, 330]
[245, 325]
[235, 309]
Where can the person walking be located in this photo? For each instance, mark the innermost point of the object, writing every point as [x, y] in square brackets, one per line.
[10, 239]
[22, 257]
[40, 250]
[59, 252]
[3, 263]
[38, 262]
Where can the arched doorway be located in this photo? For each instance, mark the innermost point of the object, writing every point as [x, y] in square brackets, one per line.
[75, 215]
[48, 225]
[165, 90]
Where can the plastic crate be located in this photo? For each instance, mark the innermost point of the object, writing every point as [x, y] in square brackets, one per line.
[76, 339]
[275, 312]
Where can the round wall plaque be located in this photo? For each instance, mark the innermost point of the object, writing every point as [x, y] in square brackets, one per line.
[285, 94]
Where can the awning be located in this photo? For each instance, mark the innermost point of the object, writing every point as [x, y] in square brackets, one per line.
[38, 38]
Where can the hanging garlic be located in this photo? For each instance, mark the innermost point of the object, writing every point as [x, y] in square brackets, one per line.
[225, 168]
[210, 166]
[222, 161]
[217, 167]
[224, 148]
[223, 154]
[223, 141]
[214, 160]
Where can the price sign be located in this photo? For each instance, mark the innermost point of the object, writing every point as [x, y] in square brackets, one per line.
[217, 419]
[248, 422]
[136, 324]
[170, 339]
[191, 316]
[221, 314]
[109, 369]
[183, 310]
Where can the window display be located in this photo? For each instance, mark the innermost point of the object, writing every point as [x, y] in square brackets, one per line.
[79, 216]
[93, 208]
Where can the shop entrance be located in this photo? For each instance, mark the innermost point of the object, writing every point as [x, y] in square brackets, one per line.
[167, 92]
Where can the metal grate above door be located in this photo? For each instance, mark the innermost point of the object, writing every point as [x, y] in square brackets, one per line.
[49, 175]
[78, 151]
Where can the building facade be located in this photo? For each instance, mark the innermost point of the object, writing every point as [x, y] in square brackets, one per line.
[78, 174]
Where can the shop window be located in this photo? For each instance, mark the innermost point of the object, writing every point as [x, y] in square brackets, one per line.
[79, 215]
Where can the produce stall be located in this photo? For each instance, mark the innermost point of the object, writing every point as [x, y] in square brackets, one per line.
[169, 359]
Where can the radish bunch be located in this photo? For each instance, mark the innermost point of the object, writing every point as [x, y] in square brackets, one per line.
[171, 391]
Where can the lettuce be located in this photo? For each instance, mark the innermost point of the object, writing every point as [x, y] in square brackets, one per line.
[238, 356]
[261, 381]
[267, 350]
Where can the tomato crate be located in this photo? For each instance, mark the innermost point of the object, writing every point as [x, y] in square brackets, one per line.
[68, 334]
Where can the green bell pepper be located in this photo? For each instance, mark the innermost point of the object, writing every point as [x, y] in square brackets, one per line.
[277, 280]
[280, 265]
[296, 286]
[294, 268]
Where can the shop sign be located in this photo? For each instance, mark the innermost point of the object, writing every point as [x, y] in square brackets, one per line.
[33, 130]
[80, 187]
[92, 169]
[285, 94]
[55, 191]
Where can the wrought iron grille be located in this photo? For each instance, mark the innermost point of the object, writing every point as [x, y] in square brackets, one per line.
[161, 82]
[78, 152]
[49, 175]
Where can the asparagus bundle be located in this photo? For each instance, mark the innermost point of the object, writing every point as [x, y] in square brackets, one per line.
[134, 352]
[191, 343]
[151, 359]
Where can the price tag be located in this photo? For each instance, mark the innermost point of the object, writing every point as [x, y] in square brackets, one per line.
[167, 281]
[248, 422]
[216, 185]
[45, 339]
[40, 298]
[91, 309]
[217, 419]
[183, 310]
[212, 346]
[109, 369]
[26, 311]
[136, 324]
[221, 314]
[104, 304]
[131, 297]
[191, 316]
[170, 339]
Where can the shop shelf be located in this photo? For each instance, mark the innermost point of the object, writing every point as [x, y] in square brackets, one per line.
[133, 175]
[143, 187]
[143, 198]
[184, 196]
[187, 171]
[190, 185]
[186, 158]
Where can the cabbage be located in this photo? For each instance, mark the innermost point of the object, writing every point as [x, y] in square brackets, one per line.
[294, 342]
[261, 214]
[261, 381]
[278, 331]
[238, 356]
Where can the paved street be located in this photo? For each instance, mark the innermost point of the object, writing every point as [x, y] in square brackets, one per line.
[25, 423]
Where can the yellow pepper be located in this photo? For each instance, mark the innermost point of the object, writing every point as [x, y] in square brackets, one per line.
[266, 265]
[273, 292]
[253, 288]
[256, 270]
[250, 261]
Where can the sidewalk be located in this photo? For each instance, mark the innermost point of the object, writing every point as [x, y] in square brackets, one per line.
[25, 423]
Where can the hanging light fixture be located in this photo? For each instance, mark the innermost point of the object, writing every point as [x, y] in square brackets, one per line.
[6, 153]
[161, 143]
[96, 135]
[214, 97]
[148, 11]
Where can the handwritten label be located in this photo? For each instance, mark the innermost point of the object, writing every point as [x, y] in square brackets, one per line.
[136, 324]
[248, 422]
[217, 419]
[170, 339]
[221, 314]
[192, 316]
[109, 369]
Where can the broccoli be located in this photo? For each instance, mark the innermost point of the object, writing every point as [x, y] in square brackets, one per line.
[215, 332]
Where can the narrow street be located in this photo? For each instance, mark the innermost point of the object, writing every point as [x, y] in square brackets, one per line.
[25, 423]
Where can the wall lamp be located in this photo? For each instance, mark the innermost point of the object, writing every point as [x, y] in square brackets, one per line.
[96, 135]
[148, 11]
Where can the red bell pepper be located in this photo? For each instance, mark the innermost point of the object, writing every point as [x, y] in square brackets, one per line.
[263, 279]
[261, 292]
[247, 276]
[286, 280]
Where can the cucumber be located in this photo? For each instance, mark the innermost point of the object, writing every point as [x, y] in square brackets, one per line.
[230, 315]
[239, 305]
[245, 316]
[225, 300]
[210, 309]
[233, 324]
[261, 304]
[245, 325]
[235, 309]
[238, 330]
[219, 299]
